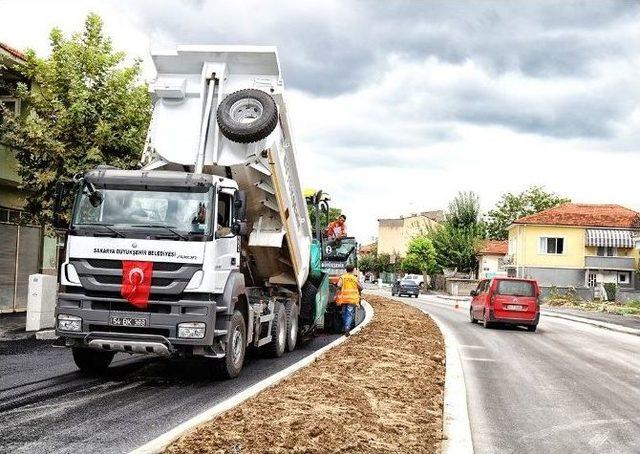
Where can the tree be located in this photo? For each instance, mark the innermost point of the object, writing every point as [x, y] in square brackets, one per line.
[421, 257]
[514, 206]
[333, 214]
[85, 108]
[456, 239]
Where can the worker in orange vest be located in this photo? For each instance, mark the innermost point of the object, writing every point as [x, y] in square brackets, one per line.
[348, 297]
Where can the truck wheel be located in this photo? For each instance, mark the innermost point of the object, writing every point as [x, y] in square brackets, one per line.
[292, 325]
[92, 362]
[308, 302]
[278, 342]
[247, 115]
[231, 365]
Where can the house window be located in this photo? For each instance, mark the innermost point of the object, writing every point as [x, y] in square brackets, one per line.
[551, 245]
[623, 278]
[593, 279]
[607, 251]
[12, 104]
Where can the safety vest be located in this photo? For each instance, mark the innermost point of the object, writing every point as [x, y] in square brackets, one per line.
[348, 293]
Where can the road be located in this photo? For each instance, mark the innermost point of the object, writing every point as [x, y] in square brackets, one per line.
[46, 406]
[569, 387]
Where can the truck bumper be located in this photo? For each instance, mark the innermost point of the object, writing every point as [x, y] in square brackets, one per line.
[159, 336]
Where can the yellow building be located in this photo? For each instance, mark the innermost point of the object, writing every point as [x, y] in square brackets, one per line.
[576, 245]
[395, 234]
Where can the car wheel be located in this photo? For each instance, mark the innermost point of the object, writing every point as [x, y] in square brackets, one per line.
[486, 323]
[471, 317]
[532, 328]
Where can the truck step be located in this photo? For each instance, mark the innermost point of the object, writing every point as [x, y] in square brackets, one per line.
[221, 308]
[219, 332]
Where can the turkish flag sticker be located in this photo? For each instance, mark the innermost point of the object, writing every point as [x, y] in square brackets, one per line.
[136, 282]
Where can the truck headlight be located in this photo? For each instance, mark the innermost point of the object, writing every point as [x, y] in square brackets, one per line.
[191, 330]
[69, 323]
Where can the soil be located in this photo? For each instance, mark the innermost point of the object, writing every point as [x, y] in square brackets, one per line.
[379, 392]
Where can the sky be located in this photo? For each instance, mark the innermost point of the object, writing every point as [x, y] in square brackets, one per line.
[396, 106]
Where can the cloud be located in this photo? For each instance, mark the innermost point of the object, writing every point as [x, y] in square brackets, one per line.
[396, 106]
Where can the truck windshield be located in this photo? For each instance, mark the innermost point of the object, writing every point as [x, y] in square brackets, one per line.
[338, 250]
[177, 213]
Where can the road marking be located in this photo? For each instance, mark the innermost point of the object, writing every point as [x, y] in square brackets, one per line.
[471, 346]
[466, 358]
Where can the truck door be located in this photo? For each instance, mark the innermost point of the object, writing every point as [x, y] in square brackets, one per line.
[227, 243]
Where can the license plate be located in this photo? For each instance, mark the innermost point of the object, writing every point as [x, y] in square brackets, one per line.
[128, 321]
[513, 307]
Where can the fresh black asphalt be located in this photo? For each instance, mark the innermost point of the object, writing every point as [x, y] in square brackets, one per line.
[46, 406]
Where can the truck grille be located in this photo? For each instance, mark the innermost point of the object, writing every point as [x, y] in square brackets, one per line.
[99, 275]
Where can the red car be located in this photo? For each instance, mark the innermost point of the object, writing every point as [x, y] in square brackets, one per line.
[506, 300]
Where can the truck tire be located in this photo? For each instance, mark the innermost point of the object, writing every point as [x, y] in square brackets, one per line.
[90, 361]
[231, 365]
[308, 302]
[292, 325]
[247, 116]
[278, 343]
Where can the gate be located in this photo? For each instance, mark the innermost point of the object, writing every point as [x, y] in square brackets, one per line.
[19, 257]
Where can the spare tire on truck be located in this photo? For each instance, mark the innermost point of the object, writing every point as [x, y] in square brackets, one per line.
[247, 116]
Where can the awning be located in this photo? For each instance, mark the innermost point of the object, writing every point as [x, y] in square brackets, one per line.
[610, 238]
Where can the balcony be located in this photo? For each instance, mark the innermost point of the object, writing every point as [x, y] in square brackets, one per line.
[597, 262]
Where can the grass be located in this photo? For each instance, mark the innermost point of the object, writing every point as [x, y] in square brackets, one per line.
[570, 300]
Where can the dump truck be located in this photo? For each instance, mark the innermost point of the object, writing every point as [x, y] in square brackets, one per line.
[207, 249]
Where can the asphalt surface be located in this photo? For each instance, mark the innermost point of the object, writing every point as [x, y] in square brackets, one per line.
[46, 406]
[569, 387]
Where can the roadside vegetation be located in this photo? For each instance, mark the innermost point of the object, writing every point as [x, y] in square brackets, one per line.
[379, 392]
[571, 300]
[84, 107]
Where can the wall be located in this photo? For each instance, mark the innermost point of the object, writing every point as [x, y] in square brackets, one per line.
[390, 236]
[394, 235]
[492, 262]
[559, 277]
[525, 239]
[463, 286]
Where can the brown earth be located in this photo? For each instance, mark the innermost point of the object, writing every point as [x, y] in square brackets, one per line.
[379, 392]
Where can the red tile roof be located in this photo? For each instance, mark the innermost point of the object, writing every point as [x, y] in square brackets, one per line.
[493, 247]
[15, 52]
[585, 215]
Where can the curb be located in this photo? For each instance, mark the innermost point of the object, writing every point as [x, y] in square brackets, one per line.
[598, 323]
[160, 443]
[455, 419]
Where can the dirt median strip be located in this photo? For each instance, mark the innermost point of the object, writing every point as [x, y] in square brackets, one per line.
[381, 391]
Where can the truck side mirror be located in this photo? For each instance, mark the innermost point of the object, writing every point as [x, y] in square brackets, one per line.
[60, 193]
[240, 205]
[239, 228]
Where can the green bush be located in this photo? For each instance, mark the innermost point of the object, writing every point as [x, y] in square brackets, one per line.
[635, 304]
[611, 290]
